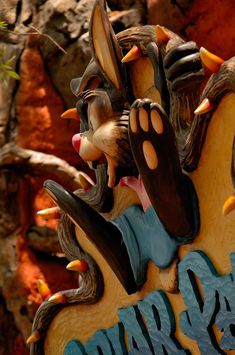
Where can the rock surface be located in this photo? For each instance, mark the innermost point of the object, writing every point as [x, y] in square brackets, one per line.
[38, 110]
[208, 23]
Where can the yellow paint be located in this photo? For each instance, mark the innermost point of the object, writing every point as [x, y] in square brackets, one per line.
[216, 238]
[103, 50]
[142, 80]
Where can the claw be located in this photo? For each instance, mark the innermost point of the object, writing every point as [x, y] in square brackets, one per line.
[49, 213]
[210, 60]
[43, 289]
[71, 113]
[34, 337]
[204, 107]
[98, 231]
[77, 265]
[229, 205]
[58, 298]
[161, 35]
[133, 54]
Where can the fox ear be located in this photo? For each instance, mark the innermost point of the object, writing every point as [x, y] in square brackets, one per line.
[105, 47]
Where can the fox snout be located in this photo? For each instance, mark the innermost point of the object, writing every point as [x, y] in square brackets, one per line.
[82, 143]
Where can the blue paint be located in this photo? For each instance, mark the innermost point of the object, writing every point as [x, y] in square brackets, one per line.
[116, 335]
[160, 322]
[145, 239]
[225, 319]
[74, 347]
[99, 341]
[218, 305]
[137, 334]
[156, 334]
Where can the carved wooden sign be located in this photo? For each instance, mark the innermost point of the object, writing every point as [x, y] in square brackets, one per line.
[216, 305]
[151, 237]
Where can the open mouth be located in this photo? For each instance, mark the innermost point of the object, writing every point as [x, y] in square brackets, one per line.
[93, 171]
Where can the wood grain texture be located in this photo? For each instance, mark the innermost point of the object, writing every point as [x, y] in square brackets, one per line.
[213, 183]
[219, 84]
[89, 289]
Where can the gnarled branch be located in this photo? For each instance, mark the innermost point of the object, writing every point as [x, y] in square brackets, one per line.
[13, 155]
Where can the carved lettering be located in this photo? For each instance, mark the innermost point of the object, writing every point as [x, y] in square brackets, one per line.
[215, 303]
[160, 321]
[149, 326]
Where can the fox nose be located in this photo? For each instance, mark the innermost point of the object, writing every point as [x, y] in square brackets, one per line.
[76, 141]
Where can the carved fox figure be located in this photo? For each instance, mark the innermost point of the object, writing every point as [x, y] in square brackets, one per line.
[135, 108]
[139, 134]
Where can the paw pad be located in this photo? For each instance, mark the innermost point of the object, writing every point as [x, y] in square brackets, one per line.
[146, 123]
[150, 155]
[144, 120]
[156, 122]
[133, 120]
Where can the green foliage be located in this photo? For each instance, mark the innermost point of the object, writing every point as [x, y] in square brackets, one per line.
[3, 24]
[6, 69]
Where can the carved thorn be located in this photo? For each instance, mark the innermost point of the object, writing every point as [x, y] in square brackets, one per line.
[71, 113]
[133, 54]
[49, 213]
[229, 205]
[210, 60]
[77, 265]
[161, 35]
[204, 107]
[58, 298]
[34, 337]
[43, 289]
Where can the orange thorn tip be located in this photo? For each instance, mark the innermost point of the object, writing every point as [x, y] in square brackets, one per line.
[34, 337]
[70, 113]
[58, 298]
[133, 54]
[43, 289]
[49, 213]
[204, 107]
[162, 36]
[77, 265]
[210, 60]
[229, 205]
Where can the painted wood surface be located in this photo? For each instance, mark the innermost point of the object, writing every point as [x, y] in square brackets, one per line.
[213, 184]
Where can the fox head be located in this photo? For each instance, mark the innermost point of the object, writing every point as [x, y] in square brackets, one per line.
[107, 89]
[102, 107]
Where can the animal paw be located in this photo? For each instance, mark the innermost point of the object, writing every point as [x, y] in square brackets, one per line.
[183, 67]
[154, 149]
